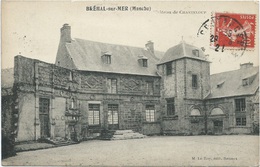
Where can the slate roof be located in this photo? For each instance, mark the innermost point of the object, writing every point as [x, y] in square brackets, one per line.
[7, 78]
[180, 51]
[86, 56]
[230, 83]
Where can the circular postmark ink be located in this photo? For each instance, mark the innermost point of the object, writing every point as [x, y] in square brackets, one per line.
[229, 32]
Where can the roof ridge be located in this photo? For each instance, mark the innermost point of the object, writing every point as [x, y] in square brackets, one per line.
[116, 44]
[233, 70]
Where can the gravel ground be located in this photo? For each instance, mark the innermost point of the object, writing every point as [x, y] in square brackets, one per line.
[240, 150]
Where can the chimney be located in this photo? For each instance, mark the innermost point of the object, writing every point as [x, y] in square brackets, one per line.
[65, 33]
[246, 65]
[149, 45]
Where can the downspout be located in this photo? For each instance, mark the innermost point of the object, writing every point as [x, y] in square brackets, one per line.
[161, 89]
[35, 94]
[53, 123]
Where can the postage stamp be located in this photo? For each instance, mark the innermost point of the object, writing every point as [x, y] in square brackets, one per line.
[234, 31]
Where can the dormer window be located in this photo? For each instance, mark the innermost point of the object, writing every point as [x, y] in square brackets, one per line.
[195, 52]
[106, 58]
[248, 80]
[219, 85]
[143, 61]
[245, 82]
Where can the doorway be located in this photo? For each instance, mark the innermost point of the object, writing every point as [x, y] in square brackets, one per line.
[218, 126]
[113, 117]
[44, 107]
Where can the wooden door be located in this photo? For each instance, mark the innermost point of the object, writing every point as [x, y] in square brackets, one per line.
[44, 107]
[218, 126]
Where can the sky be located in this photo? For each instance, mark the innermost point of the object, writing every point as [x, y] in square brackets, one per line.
[32, 29]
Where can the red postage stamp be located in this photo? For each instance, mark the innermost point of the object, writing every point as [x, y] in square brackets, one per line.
[234, 30]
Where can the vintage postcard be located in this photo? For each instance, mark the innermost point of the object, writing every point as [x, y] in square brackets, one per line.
[107, 83]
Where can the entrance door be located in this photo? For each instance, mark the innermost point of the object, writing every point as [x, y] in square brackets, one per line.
[44, 107]
[218, 126]
[113, 117]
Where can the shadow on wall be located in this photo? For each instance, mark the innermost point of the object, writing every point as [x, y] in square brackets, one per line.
[7, 146]
[7, 122]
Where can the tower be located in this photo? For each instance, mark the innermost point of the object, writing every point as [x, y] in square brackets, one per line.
[185, 83]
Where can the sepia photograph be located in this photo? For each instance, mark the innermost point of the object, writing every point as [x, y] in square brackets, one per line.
[129, 83]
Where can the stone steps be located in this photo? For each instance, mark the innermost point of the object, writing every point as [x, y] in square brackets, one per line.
[126, 134]
[59, 141]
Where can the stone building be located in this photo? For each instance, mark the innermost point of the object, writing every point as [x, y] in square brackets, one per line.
[112, 87]
[185, 75]
[96, 87]
[231, 101]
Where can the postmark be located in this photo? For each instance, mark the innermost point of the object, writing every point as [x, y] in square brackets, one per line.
[229, 31]
[235, 30]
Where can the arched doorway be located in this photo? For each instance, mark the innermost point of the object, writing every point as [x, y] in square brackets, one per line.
[196, 123]
[217, 118]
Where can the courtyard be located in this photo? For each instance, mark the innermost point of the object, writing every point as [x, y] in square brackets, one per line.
[231, 150]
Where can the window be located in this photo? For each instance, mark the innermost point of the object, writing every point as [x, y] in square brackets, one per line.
[195, 112]
[112, 114]
[245, 82]
[149, 88]
[73, 103]
[194, 81]
[106, 59]
[217, 111]
[169, 68]
[249, 80]
[149, 113]
[93, 114]
[142, 61]
[170, 106]
[195, 52]
[44, 105]
[145, 64]
[71, 76]
[112, 85]
[240, 105]
[241, 121]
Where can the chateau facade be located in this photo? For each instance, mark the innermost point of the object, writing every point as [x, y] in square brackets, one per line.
[95, 87]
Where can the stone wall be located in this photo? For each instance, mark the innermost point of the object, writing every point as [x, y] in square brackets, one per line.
[7, 115]
[178, 85]
[8, 127]
[35, 79]
[26, 122]
[58, 115]
[229, 117]
[201, 69]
